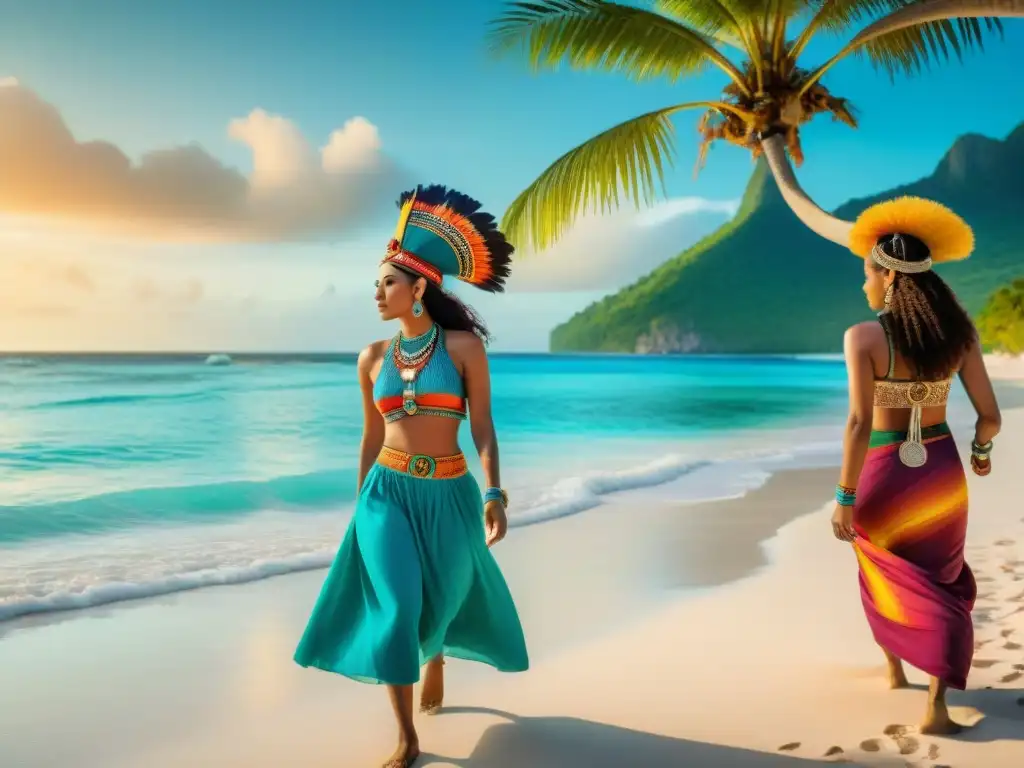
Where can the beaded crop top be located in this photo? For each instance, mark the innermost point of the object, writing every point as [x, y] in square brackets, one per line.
[437, 389]
[906, 393]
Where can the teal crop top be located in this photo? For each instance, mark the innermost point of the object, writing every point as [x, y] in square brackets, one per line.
[440, 390]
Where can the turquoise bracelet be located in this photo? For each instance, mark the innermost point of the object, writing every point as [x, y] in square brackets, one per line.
[496, 494]
[845, 497]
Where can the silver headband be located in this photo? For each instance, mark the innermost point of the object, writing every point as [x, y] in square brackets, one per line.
[898, 265]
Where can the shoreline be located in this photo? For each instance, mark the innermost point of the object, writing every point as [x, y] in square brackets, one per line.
[707, 519]
[742, 462]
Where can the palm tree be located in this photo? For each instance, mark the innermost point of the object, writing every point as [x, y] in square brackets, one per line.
[769, 95]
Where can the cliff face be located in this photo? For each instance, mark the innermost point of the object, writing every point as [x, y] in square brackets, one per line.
[667, 338]
[764, 283]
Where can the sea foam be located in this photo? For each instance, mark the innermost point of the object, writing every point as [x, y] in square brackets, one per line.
[82, 571]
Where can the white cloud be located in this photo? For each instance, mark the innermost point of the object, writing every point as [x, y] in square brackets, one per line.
[607, 252]
[185, 193]
[281, 156]
[670, 210]
[353, 147]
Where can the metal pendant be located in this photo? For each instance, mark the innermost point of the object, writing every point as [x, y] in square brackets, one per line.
[912, 450]
[409, 393]
[913, 454]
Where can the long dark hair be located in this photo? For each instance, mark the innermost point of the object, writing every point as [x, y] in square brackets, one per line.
[928, 326]
[447, 310]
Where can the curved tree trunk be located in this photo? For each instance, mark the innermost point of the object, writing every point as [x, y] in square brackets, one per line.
[820, 222]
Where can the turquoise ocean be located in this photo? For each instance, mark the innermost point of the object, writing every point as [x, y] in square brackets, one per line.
[128, 476]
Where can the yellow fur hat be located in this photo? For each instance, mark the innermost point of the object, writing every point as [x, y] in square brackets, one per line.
[947, 236]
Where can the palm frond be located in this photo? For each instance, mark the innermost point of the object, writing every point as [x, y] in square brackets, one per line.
[838, 16]
[720, 19]
[594, 34]
[912, 49]
[630, 157]
[777, 18]
[908, 38]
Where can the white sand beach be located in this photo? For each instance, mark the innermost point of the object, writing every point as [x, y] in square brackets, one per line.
[1005, 367]
[643, 655]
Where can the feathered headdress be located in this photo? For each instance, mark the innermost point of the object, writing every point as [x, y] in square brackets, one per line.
[947, 236]
[443, 232]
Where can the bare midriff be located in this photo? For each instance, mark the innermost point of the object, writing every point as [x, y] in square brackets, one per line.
[898, 419]
[422, 434]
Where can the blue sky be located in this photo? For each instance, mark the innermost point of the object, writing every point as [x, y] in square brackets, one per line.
[149, 76]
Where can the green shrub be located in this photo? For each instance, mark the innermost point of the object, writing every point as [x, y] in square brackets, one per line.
[1001, 322]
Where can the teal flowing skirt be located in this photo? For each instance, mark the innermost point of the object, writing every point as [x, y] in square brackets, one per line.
[413, 578]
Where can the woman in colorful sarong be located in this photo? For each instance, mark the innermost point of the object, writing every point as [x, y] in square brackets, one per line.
[902, 494]
[414, 580]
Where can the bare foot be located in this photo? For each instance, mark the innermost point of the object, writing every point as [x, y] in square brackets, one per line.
[432, 695]
[405, 755]
[937, 722]
[896, 676]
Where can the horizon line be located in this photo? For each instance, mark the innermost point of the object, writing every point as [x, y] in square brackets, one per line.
[825, 356]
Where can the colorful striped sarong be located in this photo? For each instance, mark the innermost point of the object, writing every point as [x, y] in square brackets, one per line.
[917, 590]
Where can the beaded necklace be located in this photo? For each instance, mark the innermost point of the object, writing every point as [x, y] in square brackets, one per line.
[410, 362]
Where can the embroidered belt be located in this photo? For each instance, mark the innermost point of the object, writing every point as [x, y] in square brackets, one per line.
[419, 465]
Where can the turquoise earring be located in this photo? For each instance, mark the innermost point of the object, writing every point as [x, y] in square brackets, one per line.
[417, 308]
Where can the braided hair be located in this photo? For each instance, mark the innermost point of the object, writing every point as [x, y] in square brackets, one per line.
[929, 327]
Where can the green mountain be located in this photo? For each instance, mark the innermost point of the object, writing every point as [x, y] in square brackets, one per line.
[764, 283]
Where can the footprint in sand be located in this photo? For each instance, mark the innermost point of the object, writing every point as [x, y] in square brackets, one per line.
[1010, 631]
[790, 746]
[906, 743]
[1005, 542]
[979, 643]
[984, 579]
[833, 751]
[933, 751]
[984, 663]
[1011, 677]
[1013, 646]
[986, 596]
[871, 745]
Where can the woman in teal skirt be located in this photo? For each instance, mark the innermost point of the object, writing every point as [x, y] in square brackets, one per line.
[414, 579]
